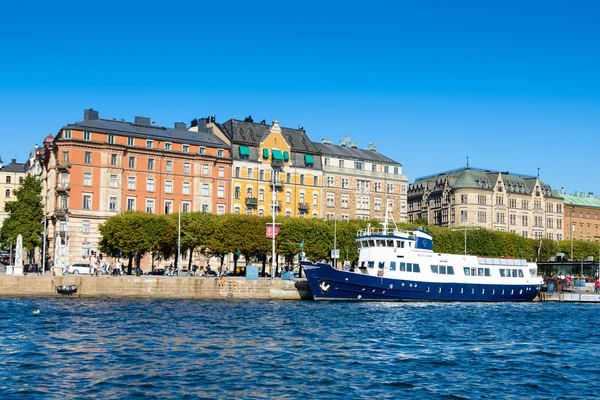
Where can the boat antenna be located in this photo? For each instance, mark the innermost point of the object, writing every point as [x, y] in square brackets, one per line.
[388, 216]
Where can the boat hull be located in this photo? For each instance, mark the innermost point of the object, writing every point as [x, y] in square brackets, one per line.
[328, 283]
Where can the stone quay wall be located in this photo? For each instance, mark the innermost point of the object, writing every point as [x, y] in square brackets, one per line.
[155, 287]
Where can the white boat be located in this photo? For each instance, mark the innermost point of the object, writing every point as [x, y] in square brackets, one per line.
[398, 265]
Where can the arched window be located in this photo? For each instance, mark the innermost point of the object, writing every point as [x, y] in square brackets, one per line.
[237, 192]
[288, 197]
[301, 197]
[315, 199]
[236, 210]
[7, 193]
[261, 194]
[249, 192]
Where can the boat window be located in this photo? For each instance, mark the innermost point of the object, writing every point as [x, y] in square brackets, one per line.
[363, 264]
[402, 266]
[390, 243]
[381, 265]
[365, 243]
[393, 265]
[371, 264]
[359, 244]
[399, 244]
[487, 272]
[434, 269]
[473, 271]
[520, 273]
[467, 271]
[416, 268]
[409, 244]
[371, 243]
[502, 272]
[443, 269]
[380, 243]
[408, 267]
[514, 273]
[450, 270]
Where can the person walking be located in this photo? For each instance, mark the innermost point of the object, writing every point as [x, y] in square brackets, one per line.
[597, 286]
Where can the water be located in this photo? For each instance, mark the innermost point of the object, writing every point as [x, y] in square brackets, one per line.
[167, 349]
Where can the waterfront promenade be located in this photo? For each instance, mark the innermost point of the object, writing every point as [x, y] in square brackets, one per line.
[148, 286]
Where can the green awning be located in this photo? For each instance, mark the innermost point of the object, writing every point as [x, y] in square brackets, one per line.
[286, 156]
[244, 151]
[308, 158]
[277, 154]
[265, 153]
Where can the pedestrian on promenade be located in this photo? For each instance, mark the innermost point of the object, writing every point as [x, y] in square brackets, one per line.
[597, 286]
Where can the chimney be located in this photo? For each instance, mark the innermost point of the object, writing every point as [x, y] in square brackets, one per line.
[343, 143]
[194, 123]
[180, 126]
[89, 115]
[13, 161]
[325, 141]
[144, 121]
[354, 145]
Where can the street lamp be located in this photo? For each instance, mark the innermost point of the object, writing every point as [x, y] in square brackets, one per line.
[273, 205]
[465, 229]
[571, 229]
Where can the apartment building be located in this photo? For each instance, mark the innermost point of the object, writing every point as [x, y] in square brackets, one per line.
[581, 214]
[97, 168]
[360, 183]
[489, 199]
[11, 176]
[267, 157]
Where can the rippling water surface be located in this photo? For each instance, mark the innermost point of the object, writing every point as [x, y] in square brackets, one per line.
[259, 349]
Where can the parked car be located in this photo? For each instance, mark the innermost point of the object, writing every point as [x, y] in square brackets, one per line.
[5, 260]
[157, 271]
[79, 268]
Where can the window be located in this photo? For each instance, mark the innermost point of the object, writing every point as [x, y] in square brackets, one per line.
[220, 209]
[302, 179]
[326, 161]
[186, 148]
[345, 200]
[149, 146]
[67, 134]
[85, 226]
[202, 150]
[87, 136]
[463, 216]
[149, 206]
[221, 172]
[288, 178]
[168, 207]
[237, 192]
[169, 166]
[111, 139]
[65, 156]
[131, 162]
[301, 197]
[131, 182]
[112, 204]
[261, 175]
[221, 192]
[87, 179]
[185, 207]
[130, 204]
[87, 201]
[150, 185]
[186, 168]
[341, 163]
[150, 164]
[88, 157]
[113, 159]
[237, 172]
[113, 181]
[205, 169]
[130, 141]
[205, 208]
[316, 180]
[168, 186]
[288, 197]
[205, 189]
[168, 146]
[463, 198]
[220, 154]
[315, 199]
[8, 179]
[186, 188]
[7, 193]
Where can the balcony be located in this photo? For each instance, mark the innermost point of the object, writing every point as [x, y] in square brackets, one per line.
[277, 164]
[276, 203]
[303, 207]
[63, 187]
[61, 212]
[279, 185]
[63, 165]
[251, 201]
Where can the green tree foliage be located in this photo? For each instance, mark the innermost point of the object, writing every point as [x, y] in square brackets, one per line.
[25, 215]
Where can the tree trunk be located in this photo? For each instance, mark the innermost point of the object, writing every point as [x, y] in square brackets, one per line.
[130, 265]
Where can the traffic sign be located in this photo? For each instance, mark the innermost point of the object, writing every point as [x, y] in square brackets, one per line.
[335, 253]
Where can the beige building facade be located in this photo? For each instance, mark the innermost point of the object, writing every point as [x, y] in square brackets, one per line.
[361, 183]
[11, 176]
[471, 197]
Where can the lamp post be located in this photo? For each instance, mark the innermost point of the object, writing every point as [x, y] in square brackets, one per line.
[571, 229]
[273, 204]
[465, 229]
[44, 247]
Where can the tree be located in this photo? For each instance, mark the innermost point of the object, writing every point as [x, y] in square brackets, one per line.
[25, 216]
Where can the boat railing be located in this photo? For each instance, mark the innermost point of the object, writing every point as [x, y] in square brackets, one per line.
[384, 232]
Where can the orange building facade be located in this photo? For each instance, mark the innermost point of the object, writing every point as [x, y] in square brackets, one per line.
[98, 168]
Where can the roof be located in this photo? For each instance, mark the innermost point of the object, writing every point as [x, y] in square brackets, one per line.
[148, 132]
[251, 134]
[476, 178]
[580, 199]
[14, 167]
[353, 153]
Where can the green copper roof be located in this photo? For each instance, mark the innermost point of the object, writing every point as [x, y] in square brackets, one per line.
[581, 199]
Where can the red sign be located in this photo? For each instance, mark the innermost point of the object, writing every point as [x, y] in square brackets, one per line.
[270, 231]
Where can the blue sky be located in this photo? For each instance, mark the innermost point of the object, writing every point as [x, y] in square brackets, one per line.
[513, 85]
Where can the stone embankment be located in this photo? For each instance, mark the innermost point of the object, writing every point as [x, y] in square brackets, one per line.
[155, 287]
